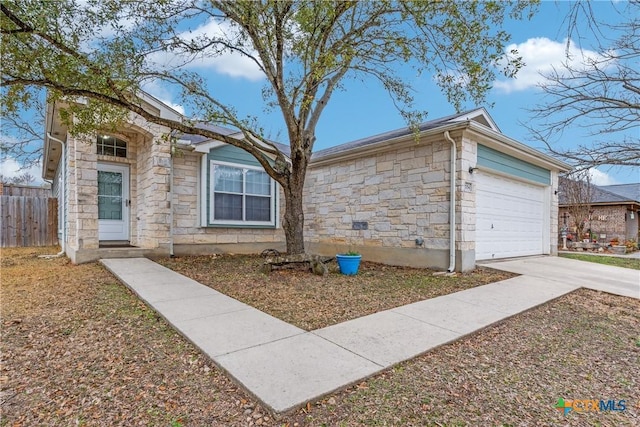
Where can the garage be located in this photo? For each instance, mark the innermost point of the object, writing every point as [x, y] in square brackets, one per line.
[510, 217]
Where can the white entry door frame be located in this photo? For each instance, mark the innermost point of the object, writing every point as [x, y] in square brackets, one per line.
[113, 202]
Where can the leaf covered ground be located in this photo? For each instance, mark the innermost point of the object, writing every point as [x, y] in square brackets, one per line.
[312, 302]
[79, 349]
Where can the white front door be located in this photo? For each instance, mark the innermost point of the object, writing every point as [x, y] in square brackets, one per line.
[113, 202]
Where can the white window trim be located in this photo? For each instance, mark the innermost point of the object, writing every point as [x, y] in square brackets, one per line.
[100, 136]
[203, 190]
[273, 198]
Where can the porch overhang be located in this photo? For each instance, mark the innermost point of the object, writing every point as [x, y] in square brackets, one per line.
[55, 135]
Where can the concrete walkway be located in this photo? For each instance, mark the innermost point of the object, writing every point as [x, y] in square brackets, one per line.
[285, 367]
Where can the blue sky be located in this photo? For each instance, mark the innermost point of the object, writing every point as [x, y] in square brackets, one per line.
[365, 109]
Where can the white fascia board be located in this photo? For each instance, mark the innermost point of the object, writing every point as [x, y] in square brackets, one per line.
[205, 147]
[166, 112]
[55, 134]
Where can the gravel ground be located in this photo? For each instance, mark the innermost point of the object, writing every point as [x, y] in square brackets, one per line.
[79, 349]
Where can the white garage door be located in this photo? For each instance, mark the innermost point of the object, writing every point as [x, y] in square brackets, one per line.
[510, 219]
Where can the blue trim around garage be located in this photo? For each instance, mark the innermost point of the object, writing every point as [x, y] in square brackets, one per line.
[501, 162]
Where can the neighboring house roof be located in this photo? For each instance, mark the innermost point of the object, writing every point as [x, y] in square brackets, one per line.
[600, 195]
[629, 191]
[608, 194]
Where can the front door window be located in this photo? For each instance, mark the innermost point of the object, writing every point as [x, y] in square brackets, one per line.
[109, 195]
[113, 203]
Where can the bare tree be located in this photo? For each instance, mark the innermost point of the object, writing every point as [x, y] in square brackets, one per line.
[21, 135]
[600, 94]
[576, 193]
[24, 178]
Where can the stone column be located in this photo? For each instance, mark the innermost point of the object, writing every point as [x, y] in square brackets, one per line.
[82, 214]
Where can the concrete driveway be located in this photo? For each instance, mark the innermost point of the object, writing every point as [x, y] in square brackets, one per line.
[615, 280]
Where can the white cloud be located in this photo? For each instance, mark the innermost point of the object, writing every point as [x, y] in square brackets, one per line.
[10, 168]
[179, 108]
[99, 31]
[154, 88]
[601, 178]
[541, 55]
[228, 63]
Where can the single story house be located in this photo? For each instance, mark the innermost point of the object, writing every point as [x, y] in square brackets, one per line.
[388, 196]
[614, 212]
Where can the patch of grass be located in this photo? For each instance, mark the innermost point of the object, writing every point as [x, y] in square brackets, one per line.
[311, 302]
[607, 260]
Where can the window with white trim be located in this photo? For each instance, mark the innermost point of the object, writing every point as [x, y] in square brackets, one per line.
[241, 195]
[111, 146]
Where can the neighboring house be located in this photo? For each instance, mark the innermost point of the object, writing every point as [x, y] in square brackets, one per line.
[387, 196]
[614, 212]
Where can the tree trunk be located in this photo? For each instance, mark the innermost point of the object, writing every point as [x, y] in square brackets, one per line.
[294, 214]
[294, 220]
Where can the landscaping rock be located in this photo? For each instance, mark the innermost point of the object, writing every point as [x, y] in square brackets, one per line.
[619, 250]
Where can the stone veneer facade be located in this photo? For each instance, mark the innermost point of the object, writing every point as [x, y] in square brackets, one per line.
[403, 193]
[149, 161]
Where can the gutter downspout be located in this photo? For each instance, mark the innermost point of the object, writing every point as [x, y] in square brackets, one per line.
[452, 208]
[62, 191]
[171, 194]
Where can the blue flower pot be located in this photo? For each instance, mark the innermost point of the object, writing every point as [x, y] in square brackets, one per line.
[349, 264]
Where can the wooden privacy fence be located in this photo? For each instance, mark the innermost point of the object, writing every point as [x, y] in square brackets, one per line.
[28, 221]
